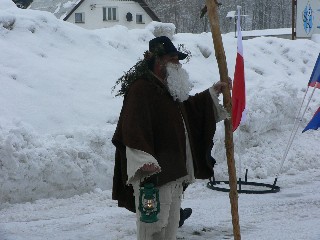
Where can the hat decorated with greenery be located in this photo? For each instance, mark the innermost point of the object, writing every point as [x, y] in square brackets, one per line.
[158, 47]
[163, 45]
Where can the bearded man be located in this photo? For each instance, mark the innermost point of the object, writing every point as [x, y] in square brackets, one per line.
[163, 136]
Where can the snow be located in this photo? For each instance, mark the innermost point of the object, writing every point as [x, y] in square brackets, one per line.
[269, 32]
[58, 115]
[7, 4]
[60, 8]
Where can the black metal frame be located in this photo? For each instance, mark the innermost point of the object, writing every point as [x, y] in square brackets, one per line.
[272, 188]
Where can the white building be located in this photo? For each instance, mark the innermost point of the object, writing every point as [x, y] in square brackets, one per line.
[94, 14]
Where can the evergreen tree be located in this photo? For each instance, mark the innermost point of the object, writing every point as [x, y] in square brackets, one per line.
[261, 14]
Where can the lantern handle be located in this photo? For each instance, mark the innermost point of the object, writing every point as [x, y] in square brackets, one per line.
[158, 200]
[140, 200]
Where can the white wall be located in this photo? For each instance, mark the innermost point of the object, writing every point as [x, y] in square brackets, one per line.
[304, 30]
[94, 17]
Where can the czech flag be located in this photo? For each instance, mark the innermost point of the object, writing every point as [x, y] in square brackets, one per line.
[238, 88]
[315, 122]
[315, 76]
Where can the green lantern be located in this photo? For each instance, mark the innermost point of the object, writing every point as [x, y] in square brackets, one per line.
[149, 204]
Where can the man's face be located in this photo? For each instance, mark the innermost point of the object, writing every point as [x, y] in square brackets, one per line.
[171, 58]
[168, 59]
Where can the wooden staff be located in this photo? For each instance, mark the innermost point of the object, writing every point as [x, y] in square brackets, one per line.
[212, 10]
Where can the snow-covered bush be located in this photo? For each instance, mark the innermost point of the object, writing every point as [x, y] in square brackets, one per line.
[162, 29]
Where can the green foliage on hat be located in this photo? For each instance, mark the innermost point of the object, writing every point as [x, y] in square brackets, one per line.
[142, 69]
[139, 70]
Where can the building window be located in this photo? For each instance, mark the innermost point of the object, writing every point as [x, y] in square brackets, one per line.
[139, 19]
[79, 17]
[110, 14]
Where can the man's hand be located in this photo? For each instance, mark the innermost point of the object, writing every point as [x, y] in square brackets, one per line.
[220, 86]
[150, 168]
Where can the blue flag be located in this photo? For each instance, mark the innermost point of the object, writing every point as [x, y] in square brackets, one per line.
[315, 76]
[315, 122]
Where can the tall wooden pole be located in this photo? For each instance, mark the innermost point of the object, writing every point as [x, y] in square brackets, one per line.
[212, 10]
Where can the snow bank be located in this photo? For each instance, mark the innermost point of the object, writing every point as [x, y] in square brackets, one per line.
[5, 4]
[36, 166]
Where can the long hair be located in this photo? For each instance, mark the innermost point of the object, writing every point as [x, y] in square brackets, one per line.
[140, 69]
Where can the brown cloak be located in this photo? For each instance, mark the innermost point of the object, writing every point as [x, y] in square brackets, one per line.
[151, 121]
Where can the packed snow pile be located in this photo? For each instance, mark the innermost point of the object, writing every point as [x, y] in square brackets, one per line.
[5, 4]
[60, 165]
[58, 113]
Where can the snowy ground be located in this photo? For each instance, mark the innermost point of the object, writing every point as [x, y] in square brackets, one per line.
[293, 213]
[57, 116]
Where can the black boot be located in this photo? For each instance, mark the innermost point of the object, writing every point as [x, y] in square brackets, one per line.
[184, 214]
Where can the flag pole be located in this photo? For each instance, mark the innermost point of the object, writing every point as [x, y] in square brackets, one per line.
[295, 132]
[237, 88]
[212, 11]
[295, 124]
[314, 76]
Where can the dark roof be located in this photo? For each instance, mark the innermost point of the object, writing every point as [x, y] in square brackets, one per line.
[151, 13]
[142, 3]
[73, 9]
[60, 8]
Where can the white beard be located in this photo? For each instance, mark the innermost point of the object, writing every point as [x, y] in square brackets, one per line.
[178, 82]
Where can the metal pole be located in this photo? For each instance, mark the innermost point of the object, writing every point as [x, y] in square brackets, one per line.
[294, 4]
[295, 132]
[235, 26]
[295, 125]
